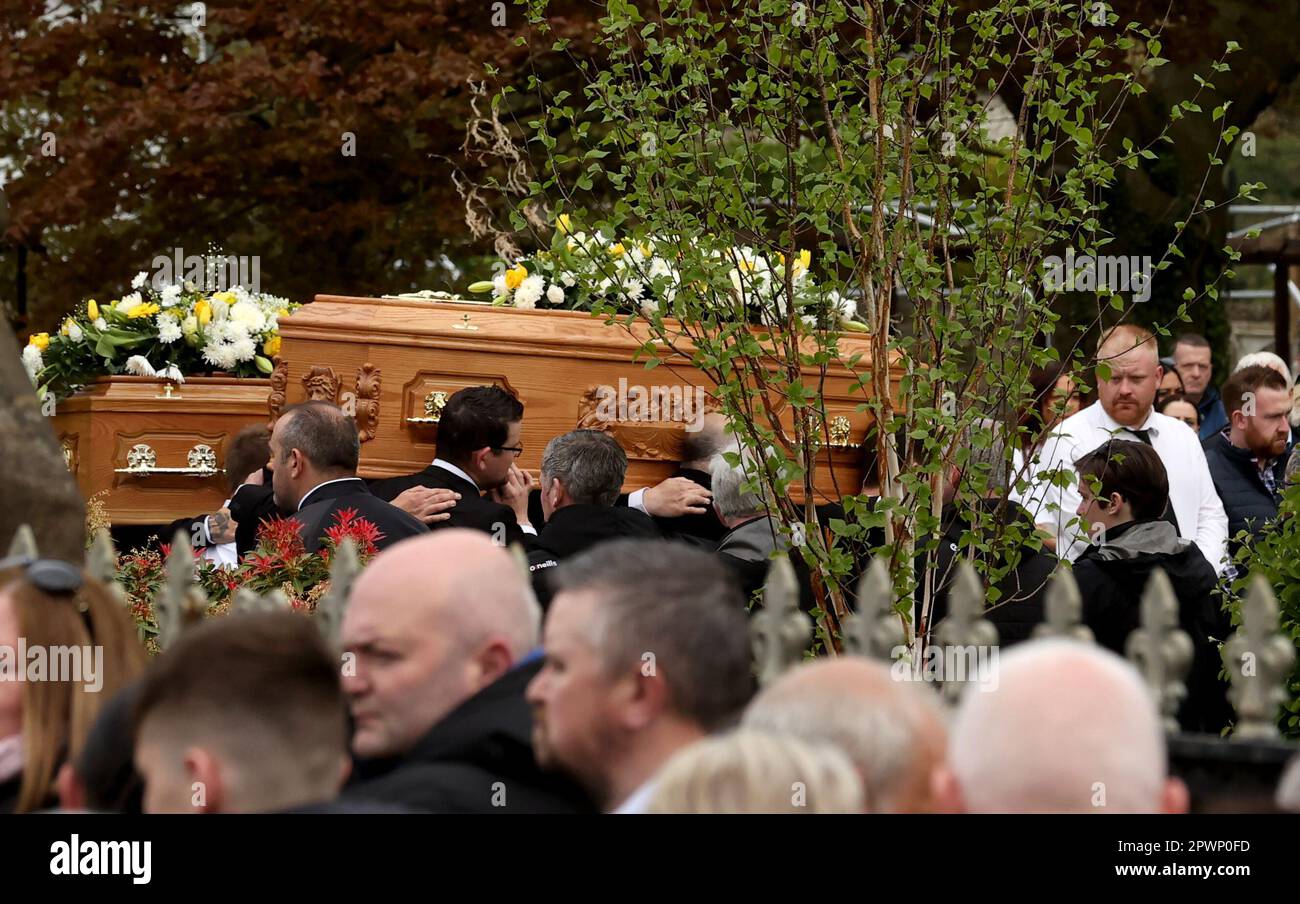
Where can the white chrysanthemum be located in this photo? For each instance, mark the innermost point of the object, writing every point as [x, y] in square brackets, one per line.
[650, 306]
[101, 323]
[499, 287]
[554, 294]
[220, 355]
[529, 292]
[32, 362]
[140, 366]
[843, 305]
[248, 314]
[173, 373]
[168, 330]
[129, 301]
[632, 291]
[170, 295]
[138, 282]
[244, 349]
[74, 332]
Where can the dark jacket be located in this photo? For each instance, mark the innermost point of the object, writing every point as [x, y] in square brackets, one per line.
[472, 510]
[576, 528]
[1019, 606]
[748, 550]
[325, 502]
[1247, 501]
[1112, 578]
[1213, 417]
[480, 753]
[699, 530]
[249, 507]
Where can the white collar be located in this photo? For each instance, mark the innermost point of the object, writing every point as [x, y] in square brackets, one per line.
[319, 485]
[448, 466]
[639, 800]
[1111, 425]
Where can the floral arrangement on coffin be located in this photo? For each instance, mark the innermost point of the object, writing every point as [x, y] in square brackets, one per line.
[582, 272]
[279, 562]
[172, 332]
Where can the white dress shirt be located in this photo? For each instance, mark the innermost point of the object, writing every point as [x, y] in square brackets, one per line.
[1200, 514]
[638, 802]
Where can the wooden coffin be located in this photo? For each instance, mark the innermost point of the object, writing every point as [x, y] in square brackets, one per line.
[394, 362]
[159, 451]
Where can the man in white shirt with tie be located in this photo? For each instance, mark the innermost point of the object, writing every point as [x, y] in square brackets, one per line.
[1124, 411]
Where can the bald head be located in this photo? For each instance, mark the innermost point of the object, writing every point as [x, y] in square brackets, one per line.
[1070, 728]
[699, 446]
[893, 731]
[431, 621]
[1128, 374]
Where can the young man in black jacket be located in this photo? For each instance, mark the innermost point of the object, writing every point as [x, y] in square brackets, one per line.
[1248, 464]
[1125, 490]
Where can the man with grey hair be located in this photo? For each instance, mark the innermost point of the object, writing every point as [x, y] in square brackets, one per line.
[647, 651]
[314, 454]
[754, 534]
[1069, 728]
[892, 731]
[976, 507]
[582, 472]
[440, 640]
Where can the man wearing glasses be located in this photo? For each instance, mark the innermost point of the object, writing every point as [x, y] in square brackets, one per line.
[478, 444]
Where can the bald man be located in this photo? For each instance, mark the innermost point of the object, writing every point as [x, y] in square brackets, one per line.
[440, 639]
[1070, 728]
[892, 731]
[1124, 411]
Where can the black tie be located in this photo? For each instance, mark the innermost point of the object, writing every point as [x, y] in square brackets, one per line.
[1145, 436]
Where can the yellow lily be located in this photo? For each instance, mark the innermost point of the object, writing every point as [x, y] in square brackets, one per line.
[202, 312]
[92, 310]
[515, 276]
[40, 340]
[271, 347]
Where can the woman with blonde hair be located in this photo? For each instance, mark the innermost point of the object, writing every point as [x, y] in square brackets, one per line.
[750, 771]
[66, 646]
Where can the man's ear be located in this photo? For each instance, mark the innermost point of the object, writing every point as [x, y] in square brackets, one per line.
[478, 457]
[207, 789]
[643, 695]
[72, 796]
[945, 791]
[493, 661]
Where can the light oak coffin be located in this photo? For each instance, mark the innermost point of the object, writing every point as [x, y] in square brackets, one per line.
[395, 361]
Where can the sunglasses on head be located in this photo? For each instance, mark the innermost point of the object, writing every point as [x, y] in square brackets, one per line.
[52, 576]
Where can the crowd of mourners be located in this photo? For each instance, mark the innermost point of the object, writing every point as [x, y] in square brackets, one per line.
[614, 674]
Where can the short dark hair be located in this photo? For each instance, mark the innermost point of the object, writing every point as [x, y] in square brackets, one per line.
[1250, 380]
[476, 417]
[258, 685]
[324, 434]
[679, 603]
[1192, 340]
[248, 451]
[1176, 397]
[589, 463]
[1133, 470]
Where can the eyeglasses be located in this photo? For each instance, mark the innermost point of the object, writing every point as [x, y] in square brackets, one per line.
[518, 450]
[52, 576]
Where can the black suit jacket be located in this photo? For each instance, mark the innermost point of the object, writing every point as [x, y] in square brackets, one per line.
[249, 507]
[699, 530]
[576, 528]
[323, 504]
[472, 510]
[478, 759]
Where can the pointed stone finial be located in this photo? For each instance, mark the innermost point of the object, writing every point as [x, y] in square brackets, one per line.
[101, 562]
[345, 565]
[875, 630]
[1063, 610]
[779, 633]
[1160, 649]
[179, 600]
[966, 640]
[248, 600]
[24, 542]
[1259, 658]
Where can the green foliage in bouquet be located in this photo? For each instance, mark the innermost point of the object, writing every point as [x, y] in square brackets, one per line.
[172, 332]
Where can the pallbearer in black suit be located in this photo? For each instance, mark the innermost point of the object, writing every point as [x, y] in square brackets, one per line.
[478, 442]
[581, 475]
[314, 454]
